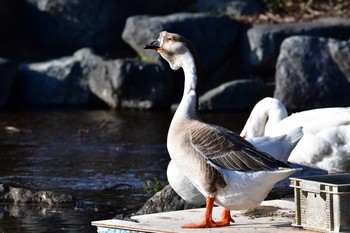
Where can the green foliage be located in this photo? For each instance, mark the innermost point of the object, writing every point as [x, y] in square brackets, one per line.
[338, 6]
[147, 59]
[153, 186]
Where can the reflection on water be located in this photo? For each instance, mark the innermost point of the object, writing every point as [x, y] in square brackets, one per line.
[84, 153]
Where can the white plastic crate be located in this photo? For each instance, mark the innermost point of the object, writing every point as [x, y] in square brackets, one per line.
[322, 202]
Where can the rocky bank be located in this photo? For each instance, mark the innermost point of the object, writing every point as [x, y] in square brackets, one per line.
[90, 53]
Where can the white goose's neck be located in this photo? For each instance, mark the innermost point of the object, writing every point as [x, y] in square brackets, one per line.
[264, 117]
[189, 102]
[275, 115]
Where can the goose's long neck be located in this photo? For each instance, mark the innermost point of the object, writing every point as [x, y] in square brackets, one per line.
[189, 103]
[264, 117]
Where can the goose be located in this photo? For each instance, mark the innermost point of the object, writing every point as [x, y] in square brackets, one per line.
[326, 133]
[279, 147]
[224, 167]
[269, 117]
[329, 149]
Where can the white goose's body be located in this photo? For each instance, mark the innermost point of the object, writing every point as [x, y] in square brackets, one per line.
[224, 167]
[329, 149]
[279, 146]
[326, 141]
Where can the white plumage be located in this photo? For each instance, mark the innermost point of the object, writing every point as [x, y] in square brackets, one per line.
[326, 141]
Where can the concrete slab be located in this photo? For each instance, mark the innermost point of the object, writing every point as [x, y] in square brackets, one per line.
[271, 216]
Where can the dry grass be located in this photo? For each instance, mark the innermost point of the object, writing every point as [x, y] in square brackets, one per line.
[287, 11]
[261, 211]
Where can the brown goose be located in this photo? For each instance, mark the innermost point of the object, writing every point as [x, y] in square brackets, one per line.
[224, 167]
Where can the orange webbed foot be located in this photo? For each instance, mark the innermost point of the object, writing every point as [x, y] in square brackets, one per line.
[208, 220]
[226, 219]
[204, 224]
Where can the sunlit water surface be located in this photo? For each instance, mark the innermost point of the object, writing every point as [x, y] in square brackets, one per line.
[102, 158]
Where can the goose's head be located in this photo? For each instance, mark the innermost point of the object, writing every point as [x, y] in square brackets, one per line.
[173, 48]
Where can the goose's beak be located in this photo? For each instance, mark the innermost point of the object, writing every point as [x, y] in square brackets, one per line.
[153, 45]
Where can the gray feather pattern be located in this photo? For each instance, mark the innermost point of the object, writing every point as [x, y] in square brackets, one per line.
[228, 150]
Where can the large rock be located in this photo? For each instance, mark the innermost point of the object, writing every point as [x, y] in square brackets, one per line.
[132, 84]
[212, 36]
[234, 95]
[14, 29]
[64, 26]
[78, 79]
[26, 196]
[165, 200]
[313, 72]
[8, 22]
[8, 71]
[61, 81]
[262, 42]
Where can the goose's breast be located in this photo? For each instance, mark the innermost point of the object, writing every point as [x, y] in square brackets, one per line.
[194, 166]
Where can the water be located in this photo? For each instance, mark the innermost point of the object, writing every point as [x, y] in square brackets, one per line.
[102, 158]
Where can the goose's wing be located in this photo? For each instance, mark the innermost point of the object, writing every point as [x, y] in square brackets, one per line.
[228, 150]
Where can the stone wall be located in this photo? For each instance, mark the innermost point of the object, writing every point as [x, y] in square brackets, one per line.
[68, 53]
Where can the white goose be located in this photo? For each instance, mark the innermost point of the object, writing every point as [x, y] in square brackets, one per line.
[326, 141]
[278, 147]
[224, 167]
[329, 149]
[269, 117]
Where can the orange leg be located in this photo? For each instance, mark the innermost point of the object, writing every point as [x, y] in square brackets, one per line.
[226, 219]
[208, 219]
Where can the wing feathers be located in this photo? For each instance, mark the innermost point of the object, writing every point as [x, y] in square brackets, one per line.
[230, 151]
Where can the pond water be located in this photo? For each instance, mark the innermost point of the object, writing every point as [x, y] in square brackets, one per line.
[102, 158]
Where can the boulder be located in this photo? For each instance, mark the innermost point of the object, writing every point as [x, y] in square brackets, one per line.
[8, 71]
[62, 81]
[313, 72]
[65, 26]
[6, 8]
[262, 41]
[14, 29]
[230, 7]
[125, 83]
[19, 195]
[163, 201]
[79, 79]
[52, 198]
[233, 95]
[212, 36]
[26, 196]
